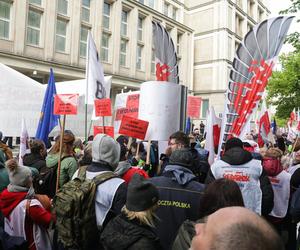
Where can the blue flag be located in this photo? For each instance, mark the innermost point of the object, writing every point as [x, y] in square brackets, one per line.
[274, 126]
[47, 119]
[188, 126]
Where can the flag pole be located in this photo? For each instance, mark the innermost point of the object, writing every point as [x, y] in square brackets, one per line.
[62, 132]
[87, 85]
[148, 152]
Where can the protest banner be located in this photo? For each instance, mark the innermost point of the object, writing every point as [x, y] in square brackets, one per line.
[103, 107]
[133, 127]
[65, 104]
[108, 130]
[193, 106]
[160, 106]
[125, 104]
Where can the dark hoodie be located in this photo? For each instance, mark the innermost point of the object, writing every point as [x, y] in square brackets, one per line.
[122, 233]
[238, 156]
[34, 161]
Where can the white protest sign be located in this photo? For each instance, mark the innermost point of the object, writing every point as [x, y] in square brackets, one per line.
[160, 106]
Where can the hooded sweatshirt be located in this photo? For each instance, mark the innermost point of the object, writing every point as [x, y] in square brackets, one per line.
[126, 171]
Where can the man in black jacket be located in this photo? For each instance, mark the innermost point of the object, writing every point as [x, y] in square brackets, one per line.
[238, 164]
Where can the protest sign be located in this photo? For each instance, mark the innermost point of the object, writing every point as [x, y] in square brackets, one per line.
[65, 104]
[133, 127]
[160, 106]
[108, 130]
[103, 107]
[126, 104]
[193, 106]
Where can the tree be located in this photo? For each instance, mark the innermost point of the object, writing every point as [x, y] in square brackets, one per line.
[294, 38]
[284, 86]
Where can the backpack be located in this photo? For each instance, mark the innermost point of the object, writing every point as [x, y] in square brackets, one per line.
[45, 182]
[74, 205]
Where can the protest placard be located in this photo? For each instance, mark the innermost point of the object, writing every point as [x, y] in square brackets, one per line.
[108, 130]
[65, 104]
[193, 106]
[133, 127]
[103, 107]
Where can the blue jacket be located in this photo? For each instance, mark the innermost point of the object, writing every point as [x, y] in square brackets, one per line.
[179, 200]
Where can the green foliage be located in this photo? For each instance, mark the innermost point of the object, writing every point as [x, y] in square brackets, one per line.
[293, 38]
[284, 86]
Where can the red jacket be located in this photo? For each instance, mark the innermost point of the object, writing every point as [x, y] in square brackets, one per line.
[36, 214]
[134, 170]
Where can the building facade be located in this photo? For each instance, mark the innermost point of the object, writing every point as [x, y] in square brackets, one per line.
[38, 34]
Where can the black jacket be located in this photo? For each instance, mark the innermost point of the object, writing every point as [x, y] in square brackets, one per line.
[122, 233]
[237, 156]
[34, 161]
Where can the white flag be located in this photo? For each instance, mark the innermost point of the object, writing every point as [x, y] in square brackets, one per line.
[23, 142]
[213, 126]
[97, 87]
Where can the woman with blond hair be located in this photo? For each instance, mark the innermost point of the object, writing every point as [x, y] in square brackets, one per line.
[133, 228]
[68, 162]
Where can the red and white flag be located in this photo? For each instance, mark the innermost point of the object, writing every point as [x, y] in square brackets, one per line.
[264, 128]
[292, 117]
[213, 128]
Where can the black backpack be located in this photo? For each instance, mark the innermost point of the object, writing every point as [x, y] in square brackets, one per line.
[45, 182]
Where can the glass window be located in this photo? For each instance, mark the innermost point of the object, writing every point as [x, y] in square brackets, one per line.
[179, 36]
[139, 57]
[85, 10]
[62, 7]
[174, 13]
[104, 47]
[61, 35]
[205, 104]
[38, 2]
[140, 29]
[141, 1]
[151, 3]
[4, 19]
[123, 50]
[33, 27]
[166, 8]
[83, 41]
[106, 15]
[124, 23]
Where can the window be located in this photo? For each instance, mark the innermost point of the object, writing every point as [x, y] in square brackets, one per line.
[33, 27]
[85, 10]
[166, 8]
[205, 104]
[141, 1]
[83, 41]
[4, 19]
[104, 47]
[124, 23]
[230, 48]
[139, 52]
[140, 29]
[179, 37]
[106, 15]
[62, 7]
[151, 3]
[153, 62]
[37, 2]
[61, 35]
[174, 13]
[123, 50]
[239, 25]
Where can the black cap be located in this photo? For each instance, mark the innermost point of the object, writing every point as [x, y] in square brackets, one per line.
[182, 157]
[233, 143]
[141, 194]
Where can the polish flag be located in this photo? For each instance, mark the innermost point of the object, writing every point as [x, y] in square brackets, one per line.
[213, 129]
[292, 117]
[264, 126]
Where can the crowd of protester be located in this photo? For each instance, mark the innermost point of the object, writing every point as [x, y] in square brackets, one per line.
[249, 198]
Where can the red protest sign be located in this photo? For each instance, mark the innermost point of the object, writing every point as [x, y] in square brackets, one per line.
[108, 130]
[103, 107]
[65, 104]
[193, 106]
[133, 127]
[131, 109]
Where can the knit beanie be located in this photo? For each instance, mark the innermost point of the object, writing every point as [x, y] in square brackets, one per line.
[182, 157]
[18, 175]
[233, 143]
[141, 194]
[106, 149]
